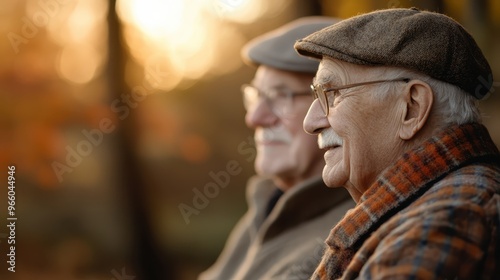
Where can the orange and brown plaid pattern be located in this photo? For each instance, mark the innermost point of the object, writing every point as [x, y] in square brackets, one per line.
[434, 214]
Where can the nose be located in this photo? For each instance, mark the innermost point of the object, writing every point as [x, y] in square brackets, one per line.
[260, 115]
[315, 120]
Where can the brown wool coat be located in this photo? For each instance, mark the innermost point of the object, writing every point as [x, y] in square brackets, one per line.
[289, 243]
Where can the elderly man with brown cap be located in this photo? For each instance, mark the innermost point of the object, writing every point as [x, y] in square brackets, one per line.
[396, 94]
[290, 208]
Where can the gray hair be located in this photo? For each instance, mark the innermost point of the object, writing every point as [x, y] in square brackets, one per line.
[452, 105]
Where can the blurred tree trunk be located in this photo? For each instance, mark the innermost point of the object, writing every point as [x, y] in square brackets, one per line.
[146, 258]
[439, 6]
[315, 7]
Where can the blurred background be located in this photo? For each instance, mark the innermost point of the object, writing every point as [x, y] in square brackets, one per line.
[118, 114]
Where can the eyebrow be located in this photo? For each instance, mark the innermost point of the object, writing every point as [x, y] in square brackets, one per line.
[279, 86]
[326, 79]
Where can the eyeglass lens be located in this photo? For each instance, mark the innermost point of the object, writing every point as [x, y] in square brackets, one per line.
[278, 102]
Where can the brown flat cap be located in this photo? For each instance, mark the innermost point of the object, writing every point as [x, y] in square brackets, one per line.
[275, 48]
[428, 42]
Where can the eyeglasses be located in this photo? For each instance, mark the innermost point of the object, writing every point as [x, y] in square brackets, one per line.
[328, 101]
[280, 101]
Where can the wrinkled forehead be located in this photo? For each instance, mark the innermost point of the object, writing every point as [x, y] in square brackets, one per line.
[336, 72]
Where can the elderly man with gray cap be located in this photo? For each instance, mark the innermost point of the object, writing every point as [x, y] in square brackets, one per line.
[396, 112]
[290, 208]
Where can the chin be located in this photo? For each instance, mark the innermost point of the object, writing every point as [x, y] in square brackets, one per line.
[266, 170]
[331, 184]
[331, 179]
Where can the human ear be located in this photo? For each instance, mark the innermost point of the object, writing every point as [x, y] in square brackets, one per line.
[419, 97]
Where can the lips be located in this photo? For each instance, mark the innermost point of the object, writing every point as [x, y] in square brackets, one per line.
[277, 135]
[332, 153]
[269, 142]
[333, 147]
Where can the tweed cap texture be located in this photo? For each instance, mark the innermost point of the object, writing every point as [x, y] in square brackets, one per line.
[275, 48]
[428, 42]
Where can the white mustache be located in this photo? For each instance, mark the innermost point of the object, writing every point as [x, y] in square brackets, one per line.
[278, 133]
[328, 138]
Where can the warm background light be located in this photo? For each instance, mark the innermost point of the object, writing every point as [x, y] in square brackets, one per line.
[67, 65]
[79, 63]
[193, 38]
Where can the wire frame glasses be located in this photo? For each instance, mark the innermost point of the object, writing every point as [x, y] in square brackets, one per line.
[279, 101]
[327, 96]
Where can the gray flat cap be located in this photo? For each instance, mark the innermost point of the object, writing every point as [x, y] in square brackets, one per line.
[431, 43]
[275, 48]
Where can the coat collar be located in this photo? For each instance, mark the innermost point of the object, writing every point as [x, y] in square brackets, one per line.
[300, 204]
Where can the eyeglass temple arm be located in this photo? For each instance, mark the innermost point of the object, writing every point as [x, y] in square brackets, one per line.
[406, 80]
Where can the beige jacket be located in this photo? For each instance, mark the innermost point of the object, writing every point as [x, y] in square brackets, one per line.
[289, 243]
